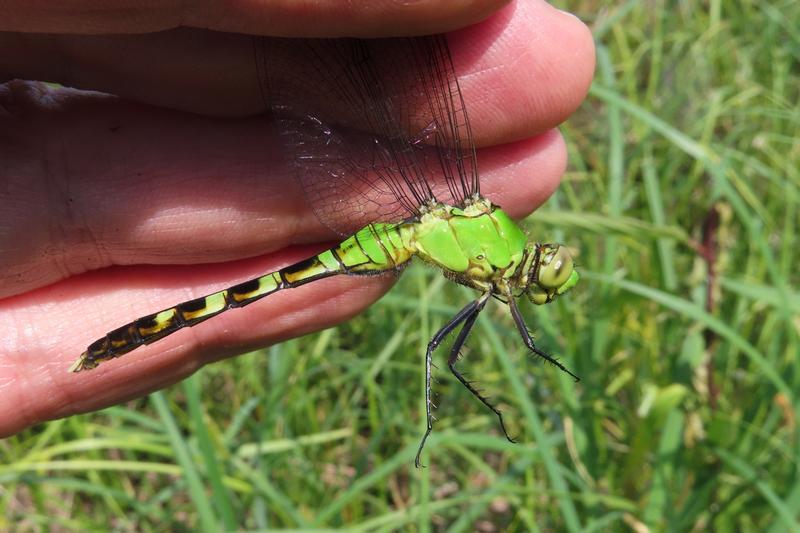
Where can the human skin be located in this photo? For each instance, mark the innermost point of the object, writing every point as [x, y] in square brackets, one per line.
[115, 207]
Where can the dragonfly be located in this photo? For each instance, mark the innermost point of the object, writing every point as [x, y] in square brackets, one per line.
[400, 181]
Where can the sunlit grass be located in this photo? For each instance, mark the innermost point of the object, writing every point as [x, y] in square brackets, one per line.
[685, 417]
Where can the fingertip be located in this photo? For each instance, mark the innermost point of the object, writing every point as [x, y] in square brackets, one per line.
[522, 175]
[523, 71]
[576, 69]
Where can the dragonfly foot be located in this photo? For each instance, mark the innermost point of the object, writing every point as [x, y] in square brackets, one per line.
[417, 462]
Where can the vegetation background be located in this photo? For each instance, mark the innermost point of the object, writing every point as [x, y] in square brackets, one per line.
[682, 201]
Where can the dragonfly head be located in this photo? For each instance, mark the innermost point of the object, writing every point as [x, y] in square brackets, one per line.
[553, 274]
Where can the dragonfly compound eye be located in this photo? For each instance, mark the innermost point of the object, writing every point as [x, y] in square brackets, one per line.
[556, 270]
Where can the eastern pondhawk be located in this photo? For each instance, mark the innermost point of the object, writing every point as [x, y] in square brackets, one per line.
[397, 195]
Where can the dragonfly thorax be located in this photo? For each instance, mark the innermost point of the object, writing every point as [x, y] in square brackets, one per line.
[477, 244]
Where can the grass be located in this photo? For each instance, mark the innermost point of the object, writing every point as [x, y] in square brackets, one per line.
[682, 201]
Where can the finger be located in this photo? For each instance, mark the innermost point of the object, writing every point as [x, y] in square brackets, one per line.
[522, 71]
[46, 329]
[321, 18]
[50, 327]
[103, 182]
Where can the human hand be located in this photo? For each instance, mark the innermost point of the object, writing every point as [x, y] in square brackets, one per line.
[112, 208]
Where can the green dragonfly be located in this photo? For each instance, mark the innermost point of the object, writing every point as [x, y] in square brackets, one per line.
[397, 195]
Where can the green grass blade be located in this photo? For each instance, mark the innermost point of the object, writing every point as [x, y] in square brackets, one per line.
[183, 455]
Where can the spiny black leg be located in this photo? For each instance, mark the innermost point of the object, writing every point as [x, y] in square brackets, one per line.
[460, 317]
[453, 359]
[526, 337]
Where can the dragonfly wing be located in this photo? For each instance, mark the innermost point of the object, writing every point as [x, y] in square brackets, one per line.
[374, 128]
[344, 175]
[448, 129]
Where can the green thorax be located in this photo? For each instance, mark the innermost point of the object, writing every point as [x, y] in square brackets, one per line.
[479, 243]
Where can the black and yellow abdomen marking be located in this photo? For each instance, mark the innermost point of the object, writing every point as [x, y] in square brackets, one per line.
[376, 248]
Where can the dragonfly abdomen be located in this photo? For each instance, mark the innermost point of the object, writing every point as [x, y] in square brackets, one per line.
[376, 248]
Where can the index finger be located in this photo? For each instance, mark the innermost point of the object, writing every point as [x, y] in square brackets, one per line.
[280, 18]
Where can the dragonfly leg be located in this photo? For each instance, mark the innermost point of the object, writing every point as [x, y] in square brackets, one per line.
[528, 339]
[453, 359]
[468, 311]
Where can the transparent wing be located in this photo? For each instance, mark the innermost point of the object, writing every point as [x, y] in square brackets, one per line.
[374, 128]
